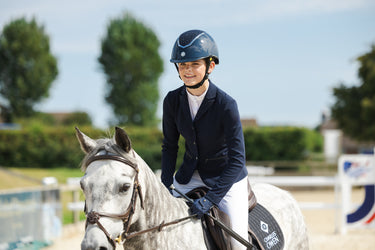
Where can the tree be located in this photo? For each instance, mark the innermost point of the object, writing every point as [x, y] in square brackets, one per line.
[132, 65]
[27, 67]
[354, 108]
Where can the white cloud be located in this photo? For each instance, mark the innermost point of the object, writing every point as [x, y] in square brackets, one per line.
[212, 12]
[275, 9]
[308, 6]
[239, 12]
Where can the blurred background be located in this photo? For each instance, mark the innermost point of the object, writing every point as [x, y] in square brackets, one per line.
[302, 73]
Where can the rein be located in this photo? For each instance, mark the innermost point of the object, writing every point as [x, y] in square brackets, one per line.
[93, 217]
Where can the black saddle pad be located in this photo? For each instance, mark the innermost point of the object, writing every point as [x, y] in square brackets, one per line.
[265, 229]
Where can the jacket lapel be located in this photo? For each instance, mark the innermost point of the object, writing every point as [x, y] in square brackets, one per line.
[207, 101]
[185, 105]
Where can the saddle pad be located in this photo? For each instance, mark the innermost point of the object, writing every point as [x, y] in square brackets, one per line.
[265, 229]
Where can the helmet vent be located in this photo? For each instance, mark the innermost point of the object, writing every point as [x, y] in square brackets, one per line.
[188, 38]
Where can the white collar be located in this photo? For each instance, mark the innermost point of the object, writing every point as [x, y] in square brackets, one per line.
[195, 97]
[195, 102]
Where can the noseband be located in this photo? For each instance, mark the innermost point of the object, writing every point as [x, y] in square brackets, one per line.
[93, 217]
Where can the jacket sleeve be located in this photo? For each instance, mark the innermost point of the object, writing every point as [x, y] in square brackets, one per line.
[234, 138]
[170, 141]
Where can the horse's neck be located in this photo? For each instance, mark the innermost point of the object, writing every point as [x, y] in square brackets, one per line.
[161, 207]
[159, 204]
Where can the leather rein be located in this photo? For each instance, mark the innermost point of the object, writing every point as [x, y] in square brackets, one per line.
[93, 217]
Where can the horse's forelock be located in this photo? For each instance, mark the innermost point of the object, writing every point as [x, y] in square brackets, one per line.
[110, 146]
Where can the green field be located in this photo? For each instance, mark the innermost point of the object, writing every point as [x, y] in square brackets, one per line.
[26, 177]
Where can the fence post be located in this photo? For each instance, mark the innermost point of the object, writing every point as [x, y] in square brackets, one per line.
[75, 194]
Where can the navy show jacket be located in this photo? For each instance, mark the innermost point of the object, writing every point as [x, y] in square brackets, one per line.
[214, 141]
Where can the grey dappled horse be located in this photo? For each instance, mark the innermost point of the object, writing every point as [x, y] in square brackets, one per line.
[127, 204]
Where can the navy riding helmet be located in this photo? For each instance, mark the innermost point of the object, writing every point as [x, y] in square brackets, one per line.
[193, 45]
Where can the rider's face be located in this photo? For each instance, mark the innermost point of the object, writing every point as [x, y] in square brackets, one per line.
[192, 73]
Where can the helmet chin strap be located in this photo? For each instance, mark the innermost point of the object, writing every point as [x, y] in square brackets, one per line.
[199, 84]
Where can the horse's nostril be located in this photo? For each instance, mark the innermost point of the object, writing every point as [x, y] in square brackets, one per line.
[103, 248]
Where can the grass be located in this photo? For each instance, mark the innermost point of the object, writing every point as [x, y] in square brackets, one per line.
[61, 174]
[14, 178]
[8, 181]
[67, 197]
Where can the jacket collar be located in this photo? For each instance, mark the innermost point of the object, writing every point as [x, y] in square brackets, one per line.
[206, 104]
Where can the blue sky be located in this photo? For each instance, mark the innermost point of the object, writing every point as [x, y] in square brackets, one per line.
[278, 59]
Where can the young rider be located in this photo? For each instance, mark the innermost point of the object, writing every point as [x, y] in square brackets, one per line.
[209, 121]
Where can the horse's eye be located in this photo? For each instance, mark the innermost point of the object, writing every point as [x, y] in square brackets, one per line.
[125, 187]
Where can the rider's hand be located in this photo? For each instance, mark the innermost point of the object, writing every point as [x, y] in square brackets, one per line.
[201, 206]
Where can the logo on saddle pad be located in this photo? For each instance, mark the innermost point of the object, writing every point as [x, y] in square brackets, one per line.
[264, 229]
[271, 240]
[264, 226]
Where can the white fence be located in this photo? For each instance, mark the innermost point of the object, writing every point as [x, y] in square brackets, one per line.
[307, 181]
[28, 216]
[76, 206]
[353, 170]
[304, 181]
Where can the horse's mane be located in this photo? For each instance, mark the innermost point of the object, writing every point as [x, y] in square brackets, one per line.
[110, 146]
[156, 203]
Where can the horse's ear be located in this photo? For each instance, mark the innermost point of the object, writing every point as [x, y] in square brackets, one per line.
[87, 144]
[122, 139]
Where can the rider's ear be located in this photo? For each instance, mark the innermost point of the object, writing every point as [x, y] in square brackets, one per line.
[123, 140]
[87, 144]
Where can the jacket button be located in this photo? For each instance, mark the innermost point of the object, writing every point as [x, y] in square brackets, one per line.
[196, 158]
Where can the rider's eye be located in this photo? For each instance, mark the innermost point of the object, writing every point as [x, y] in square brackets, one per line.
[124, 188]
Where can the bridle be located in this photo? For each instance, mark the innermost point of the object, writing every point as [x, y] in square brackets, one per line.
[93, 217]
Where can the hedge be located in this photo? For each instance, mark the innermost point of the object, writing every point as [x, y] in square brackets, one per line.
[41, 147]
[58, 147]
[281, 143]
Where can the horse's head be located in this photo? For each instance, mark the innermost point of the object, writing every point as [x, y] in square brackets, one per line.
[111, 189]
